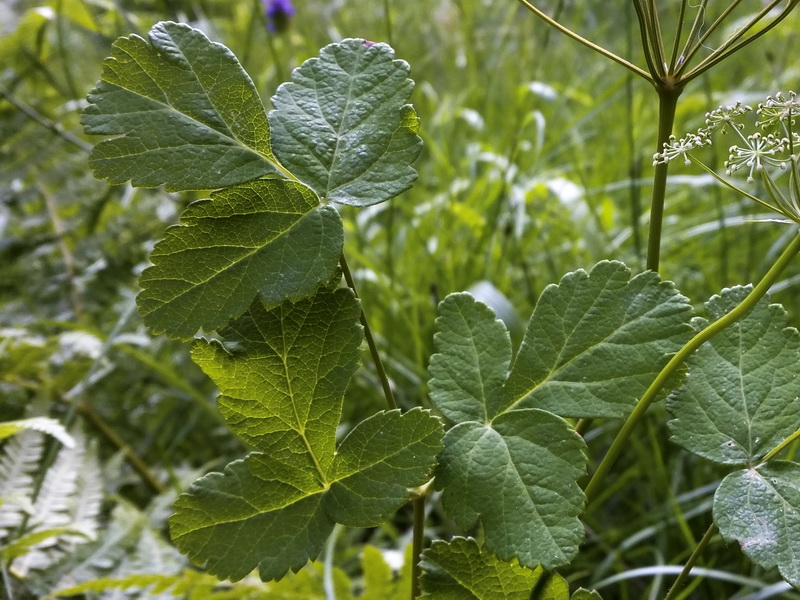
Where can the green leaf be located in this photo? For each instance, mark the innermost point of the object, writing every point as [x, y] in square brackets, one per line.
[259, 513]
[342, 125]
[376, 464]
[582, 594]
[23, 545]
[185, 113]
[380, 581]
[596, 341]
[760, 508]
[282, 373]
[468, 372]
[270, 511]
[519, 477]
[460, 570]
[269, 237]
[742, 395]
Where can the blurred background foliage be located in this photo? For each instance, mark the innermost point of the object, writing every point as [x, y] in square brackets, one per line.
[537, 161]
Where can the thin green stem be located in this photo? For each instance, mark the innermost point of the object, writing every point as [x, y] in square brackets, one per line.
[52, 126]
[599, 49]
[677, 41]
[781, 447]
[667, 104]
[732, 45]
[636, 416]
[387, 16]
[701, 546]
[699, 19]
[582, 426]
[417, 543]
[702, 39]
[373, 348]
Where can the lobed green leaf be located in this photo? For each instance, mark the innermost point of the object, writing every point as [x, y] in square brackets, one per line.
[474, 353]
[283, 372]
[519, 477]
[760, 508]
[460, 570]
[184, 112]
[269, 238]
[742, 395]
[377, 463]
[596, 341]
[342, 125]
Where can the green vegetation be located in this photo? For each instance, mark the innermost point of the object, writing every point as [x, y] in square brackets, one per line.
[536, 452]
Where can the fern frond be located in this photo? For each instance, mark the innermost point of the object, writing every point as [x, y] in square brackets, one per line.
[43, 424]
[70, 496]
[19, 459]
[177, 585]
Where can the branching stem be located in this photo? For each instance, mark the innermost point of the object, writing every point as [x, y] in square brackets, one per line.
[620, 442]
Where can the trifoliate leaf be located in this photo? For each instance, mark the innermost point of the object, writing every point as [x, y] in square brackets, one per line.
[378, 462]
[596, 341]
[742, 395]
[269, 237]
[342, 125]
[760, 508]
[185, 113]
[529, 458]
[283, 373]
[460, 570]
[471, 365]
[518, 475]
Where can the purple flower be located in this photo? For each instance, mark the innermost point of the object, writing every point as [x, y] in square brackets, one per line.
[278, 13]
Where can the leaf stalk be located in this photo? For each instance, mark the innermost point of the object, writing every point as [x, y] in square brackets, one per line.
[373, 347]
[636, 416]
[701, 546]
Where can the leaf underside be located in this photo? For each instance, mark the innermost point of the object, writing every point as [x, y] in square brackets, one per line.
[740, 400]
[282, 373]
[342, 124]
[183, 112]
[760, 509]
[742, 395]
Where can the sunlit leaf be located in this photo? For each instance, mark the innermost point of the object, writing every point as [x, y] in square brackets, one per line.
[184, 113]
[283, 373]
[269, 238]
[742, 395]
[342, 125]
[460, 570]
